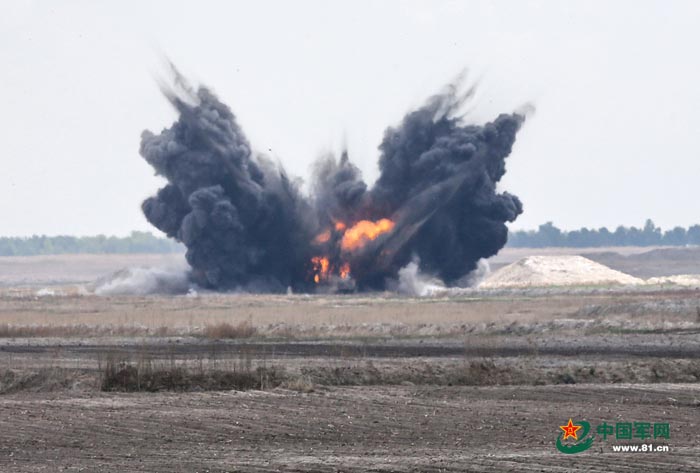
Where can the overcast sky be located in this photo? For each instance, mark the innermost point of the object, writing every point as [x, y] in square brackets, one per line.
[616, 86]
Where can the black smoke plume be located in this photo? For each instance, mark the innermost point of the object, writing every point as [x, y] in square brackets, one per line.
[247, 225]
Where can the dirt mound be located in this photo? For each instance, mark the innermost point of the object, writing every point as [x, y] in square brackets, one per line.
[564, 270]
[689, 280]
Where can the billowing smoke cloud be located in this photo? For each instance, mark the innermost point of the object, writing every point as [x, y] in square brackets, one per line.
[247, 225]
[141, 281]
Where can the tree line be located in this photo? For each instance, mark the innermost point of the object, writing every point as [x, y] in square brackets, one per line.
[649, 235]
[546, 235]
[136, 242]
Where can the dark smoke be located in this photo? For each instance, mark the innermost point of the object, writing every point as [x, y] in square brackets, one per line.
[247, 225]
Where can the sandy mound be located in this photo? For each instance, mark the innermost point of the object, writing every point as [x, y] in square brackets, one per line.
[692, 280]
[537, 271]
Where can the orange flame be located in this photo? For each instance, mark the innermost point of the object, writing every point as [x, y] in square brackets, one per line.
[364, 230]
[323, 237]
[352, 238]
[321, 267]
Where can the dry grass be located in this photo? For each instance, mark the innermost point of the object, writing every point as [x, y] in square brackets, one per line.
[300, 384]
[80, 330]
[225, 330]
[47, 379]
[492, 372]
[221, 316]
[153, 375]
[274, 312]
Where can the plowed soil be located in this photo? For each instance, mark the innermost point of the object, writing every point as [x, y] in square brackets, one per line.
[353, 429]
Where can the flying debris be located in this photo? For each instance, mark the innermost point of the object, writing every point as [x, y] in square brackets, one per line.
[247, 225]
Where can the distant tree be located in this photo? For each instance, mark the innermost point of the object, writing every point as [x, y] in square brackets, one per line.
[550, 235]
[693, 235]
[635, 236]
[581, 238]
[675, 237]
[621, 236]
[605, 238]
[136, 242]
[650, 235]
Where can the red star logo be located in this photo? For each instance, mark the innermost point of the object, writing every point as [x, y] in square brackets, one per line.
[570, 430]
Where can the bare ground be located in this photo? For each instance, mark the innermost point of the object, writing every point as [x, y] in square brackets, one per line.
[479, 382]
[365, 385]
[341, 429]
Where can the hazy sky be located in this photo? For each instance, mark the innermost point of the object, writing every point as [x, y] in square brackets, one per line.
[616, 86]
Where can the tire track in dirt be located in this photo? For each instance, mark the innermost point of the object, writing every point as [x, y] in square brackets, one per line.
[680, 346]
[341, 429]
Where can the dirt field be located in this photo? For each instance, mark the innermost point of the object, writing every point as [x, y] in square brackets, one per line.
[65, 269]
[339, 429]
[226, 382]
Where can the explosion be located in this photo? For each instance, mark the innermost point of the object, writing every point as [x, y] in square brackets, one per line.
[247, 225]
[349, 240]
[363, 231]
